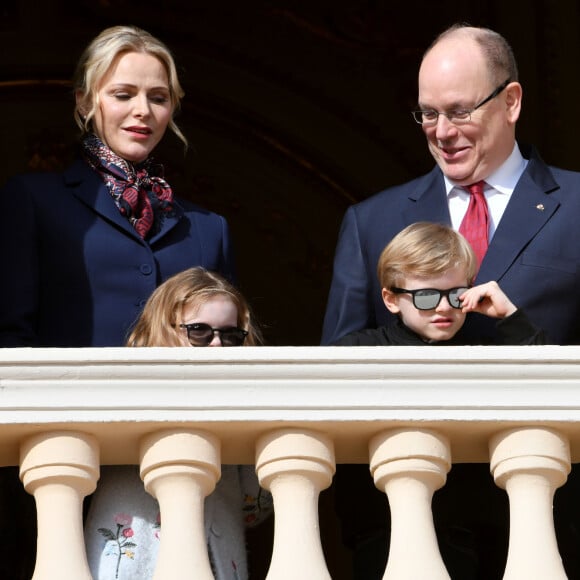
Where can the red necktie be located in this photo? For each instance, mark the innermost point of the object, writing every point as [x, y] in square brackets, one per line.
[475, 224]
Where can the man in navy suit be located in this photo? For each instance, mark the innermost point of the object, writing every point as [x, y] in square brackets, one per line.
[468, 85]
[469, 102]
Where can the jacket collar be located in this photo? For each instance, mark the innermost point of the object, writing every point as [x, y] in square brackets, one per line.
[87, 186]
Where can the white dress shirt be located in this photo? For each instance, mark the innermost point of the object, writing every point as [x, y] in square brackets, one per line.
[498, 189]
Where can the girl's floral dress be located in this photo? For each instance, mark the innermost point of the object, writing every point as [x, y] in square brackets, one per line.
[123, 526]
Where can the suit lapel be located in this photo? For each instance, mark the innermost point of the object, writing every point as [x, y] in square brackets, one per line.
[428, 201]
[529, 208]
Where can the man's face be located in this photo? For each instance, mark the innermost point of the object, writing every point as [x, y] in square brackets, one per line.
[454, 75]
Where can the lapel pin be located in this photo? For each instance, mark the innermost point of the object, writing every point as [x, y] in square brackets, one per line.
[540, 206]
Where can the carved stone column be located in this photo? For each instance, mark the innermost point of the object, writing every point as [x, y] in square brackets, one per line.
[530, 464]
[409, 465]
[59, 469]
[180, 468]
[295, 466]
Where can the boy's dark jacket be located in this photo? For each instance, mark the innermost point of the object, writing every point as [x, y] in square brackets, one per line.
[516, 329]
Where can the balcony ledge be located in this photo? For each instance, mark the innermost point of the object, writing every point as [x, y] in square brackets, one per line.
[242, 393]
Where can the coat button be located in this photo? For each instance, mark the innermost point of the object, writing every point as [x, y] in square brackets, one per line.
[146, 269]
[215, 530]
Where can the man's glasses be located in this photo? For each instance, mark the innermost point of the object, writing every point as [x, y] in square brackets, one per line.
[429, 298]
[429, 117]
[201, 334]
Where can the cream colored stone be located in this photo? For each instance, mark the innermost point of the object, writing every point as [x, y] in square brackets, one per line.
[295, 465]
[530, 463]
[409, 465]
[60, 468]
[467, 394]
[180, 468]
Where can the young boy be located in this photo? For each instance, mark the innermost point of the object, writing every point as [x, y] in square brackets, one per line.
[425, 274]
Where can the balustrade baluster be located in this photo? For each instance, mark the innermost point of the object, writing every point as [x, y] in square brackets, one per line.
[409, 465]
[530, 464]
[59, 469]
[180, 468]
[295, 466]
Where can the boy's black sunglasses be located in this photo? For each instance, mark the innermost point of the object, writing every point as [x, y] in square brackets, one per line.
[429, 298]
[201, 334]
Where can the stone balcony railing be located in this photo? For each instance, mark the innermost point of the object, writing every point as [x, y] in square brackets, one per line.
[295, 412]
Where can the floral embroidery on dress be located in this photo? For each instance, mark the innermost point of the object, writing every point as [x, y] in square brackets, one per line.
[256, 509]
[119, 543]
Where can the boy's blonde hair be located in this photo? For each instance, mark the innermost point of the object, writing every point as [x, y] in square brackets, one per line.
[423, 250]
[98, 58]
[159, 322]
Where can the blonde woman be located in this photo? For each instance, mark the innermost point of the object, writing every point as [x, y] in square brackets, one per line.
[97, 239]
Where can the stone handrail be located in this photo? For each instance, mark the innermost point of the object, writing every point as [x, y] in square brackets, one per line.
[294, 412]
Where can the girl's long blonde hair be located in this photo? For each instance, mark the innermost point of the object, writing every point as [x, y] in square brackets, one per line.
[159, 322]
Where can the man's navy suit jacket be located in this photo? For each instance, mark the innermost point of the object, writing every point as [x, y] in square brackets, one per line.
[534, 254]
[74, 270]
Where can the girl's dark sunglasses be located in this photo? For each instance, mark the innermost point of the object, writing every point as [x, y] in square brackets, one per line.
[429, 298]
[201, 334]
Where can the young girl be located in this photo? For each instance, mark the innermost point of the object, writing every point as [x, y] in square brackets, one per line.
[198, 308]
[173, 310]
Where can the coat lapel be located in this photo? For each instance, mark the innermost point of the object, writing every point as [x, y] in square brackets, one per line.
[170, 220]
[88, 187]
[529, 208]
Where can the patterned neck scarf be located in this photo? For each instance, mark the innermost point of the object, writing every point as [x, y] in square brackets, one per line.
[139, 191]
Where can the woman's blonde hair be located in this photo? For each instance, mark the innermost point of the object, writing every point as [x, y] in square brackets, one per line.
[159, 322]
[423, 250]
[99, 57]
